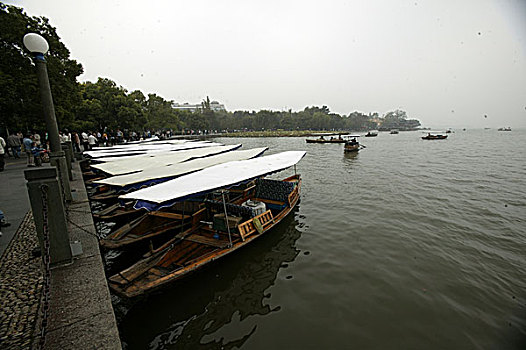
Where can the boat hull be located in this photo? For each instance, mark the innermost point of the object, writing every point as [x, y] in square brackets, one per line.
[434, 137]
[324, 141]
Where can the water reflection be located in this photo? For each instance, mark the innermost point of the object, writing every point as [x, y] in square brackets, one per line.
[188, 314]
[350, 156]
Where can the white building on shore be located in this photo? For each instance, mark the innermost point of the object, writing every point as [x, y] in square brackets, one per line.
[214, 105]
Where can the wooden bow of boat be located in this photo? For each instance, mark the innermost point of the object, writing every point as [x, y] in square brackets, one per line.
[155, 224]
[204, 243]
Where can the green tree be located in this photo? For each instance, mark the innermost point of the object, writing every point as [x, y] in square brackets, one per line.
[19, 99]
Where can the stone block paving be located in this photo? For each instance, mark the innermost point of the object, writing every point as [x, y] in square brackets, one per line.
[21, 283]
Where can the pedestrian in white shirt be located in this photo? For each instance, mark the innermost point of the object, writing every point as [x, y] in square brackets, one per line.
[92, 141]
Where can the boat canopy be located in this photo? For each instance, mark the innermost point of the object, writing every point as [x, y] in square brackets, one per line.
[134, 144]
[149, 148]
[130, 164]
[219, 176]
[152, 175]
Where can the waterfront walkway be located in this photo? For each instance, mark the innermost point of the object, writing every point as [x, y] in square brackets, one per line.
[80, 313]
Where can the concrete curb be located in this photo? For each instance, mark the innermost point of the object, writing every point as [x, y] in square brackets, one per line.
[81, 313]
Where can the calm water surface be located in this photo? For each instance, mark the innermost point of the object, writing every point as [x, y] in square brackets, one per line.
[409, 244]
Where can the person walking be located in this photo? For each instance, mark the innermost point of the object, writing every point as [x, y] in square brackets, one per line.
[85, 142]
[13, 142]
[27, 148]
[76, 142]
[3, 148]
[92, 140]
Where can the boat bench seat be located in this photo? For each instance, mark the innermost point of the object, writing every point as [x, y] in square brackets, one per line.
[273, 190]
[231, 209]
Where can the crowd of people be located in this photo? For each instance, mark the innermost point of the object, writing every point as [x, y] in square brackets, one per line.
[18, 144]
[36, 148]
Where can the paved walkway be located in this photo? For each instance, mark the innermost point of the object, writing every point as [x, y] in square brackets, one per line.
[80, 315]
[14, 200]
[20, 288]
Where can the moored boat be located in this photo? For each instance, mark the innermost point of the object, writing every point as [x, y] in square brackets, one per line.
[429, 136]
[118, 212]
[220, 229]
[153, 225]
[155, 174]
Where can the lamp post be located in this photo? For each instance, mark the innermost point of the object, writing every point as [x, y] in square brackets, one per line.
[39, 46]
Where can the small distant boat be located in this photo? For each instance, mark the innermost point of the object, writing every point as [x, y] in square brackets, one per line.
[504, 129]
[394, 131]
[449, 131]
[434, 137]
[372, 133]
[338, 139]
[351, 144]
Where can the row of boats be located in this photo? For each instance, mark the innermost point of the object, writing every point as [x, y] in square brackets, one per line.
[351, 143]
[181, 205]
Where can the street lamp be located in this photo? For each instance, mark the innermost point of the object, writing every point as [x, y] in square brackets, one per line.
[39, 46]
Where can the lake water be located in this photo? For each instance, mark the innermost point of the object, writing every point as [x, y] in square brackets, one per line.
[408, 244]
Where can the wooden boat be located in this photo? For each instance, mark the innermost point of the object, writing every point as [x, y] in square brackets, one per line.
[372, 133]
[323, 140]
[118, 212]
[220, 229]
[434, 137]
[504, 129]
[202, 244]
[154, 225]
[394, 131]
[351, 144]
[109, 196]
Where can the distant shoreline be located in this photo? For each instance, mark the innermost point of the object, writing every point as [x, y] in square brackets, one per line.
[292, 133]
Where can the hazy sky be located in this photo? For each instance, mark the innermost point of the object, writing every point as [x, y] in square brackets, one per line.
[446, 62]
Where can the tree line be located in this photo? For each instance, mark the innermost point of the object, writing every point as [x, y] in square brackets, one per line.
[104, 105]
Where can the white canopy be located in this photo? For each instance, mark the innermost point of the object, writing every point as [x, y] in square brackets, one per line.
[149, 148]
[134, 144]
[218, 176]
[177, 169]
[130, 164]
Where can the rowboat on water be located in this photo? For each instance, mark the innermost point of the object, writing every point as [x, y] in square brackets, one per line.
[322, 139]
[429, 136]
[371, 133]
[221, 228]
[351, 144]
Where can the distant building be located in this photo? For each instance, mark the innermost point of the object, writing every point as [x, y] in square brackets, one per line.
[214, 105]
